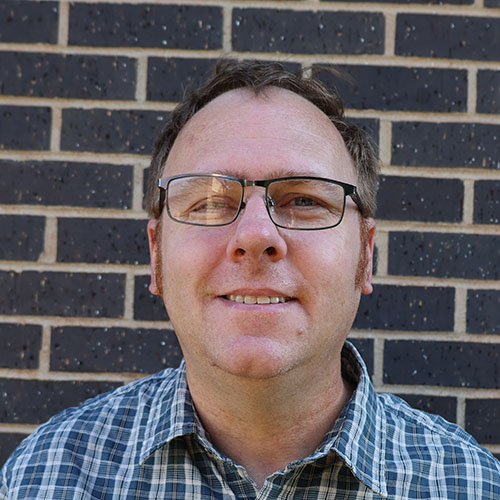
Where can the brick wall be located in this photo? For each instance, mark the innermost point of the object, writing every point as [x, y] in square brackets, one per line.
[84, 89]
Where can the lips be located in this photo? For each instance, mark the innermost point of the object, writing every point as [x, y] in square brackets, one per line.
[257, 299]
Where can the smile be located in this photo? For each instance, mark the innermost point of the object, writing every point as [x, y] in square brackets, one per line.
[261, 299]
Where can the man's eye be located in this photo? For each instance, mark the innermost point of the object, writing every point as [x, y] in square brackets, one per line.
[207, 205]
[303, 201]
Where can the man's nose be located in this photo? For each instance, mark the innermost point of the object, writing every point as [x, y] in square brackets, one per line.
[255, 236]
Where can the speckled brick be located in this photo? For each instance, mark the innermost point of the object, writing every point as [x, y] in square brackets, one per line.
[67, 76]
[444, 406]
[147, 306]
[398, 88]
[488, 91]
[483, 311]
[306, 32]
[461, 37]
[365, 348]
[420, 199]
[147, 25]
[370, 125]
[66, 183]
[105, 131]
[170, 78]
[439, 2]
[470, 145]
[62, 294]
[452, 364]
[35, 401]
[414, 308]
[8, 443]
[23, 127]
[446, 255]
[486, 202]
[83, 349]
[481, 419]
[115, 241]
[22, 237]
[20, 346]
[28, 22]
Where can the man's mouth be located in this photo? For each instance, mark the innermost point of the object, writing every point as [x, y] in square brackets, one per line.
[254, 299]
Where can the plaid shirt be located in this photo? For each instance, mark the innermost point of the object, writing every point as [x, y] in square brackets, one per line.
[144, 441]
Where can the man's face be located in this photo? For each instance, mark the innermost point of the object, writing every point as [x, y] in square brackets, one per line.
[204, 268]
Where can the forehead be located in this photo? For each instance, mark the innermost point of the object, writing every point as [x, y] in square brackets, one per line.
[261, 136]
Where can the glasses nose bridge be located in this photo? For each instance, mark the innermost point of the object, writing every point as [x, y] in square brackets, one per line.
[268, 202]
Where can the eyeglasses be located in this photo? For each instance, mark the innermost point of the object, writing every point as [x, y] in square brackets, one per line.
[303, 203]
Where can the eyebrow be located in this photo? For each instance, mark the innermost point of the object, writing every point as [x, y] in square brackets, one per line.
[279, 172]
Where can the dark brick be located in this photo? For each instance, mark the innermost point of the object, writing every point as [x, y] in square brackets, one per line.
[23, 237]
[416, 308]
[147, 306]
[445, 255]
[471, 145]
[452, 364]
[483, 311]
[68, 76]
[439, 2]
[20, 346]
[62, 294]
[370, 125]
[23, 127]
[481, 419]
[8, 443]
[486, 202]
[437, 405]
[116, 241]
[420, 199]
[66, 183]
[402, 89]
[272, 30]
[35, 401]
[365, 348]
[28, 22]
[462, 37]
[82, 349]
[170, 78]
[166, 26]
[104, 131]
[488, 91]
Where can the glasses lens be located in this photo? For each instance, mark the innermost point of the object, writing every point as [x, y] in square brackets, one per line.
[203, 200]
[306, 203]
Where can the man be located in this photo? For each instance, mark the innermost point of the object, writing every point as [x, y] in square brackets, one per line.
[261, 241]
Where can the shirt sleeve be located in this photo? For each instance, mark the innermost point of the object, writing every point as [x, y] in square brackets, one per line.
[3, 485]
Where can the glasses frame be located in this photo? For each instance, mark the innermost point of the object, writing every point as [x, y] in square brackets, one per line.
[349, 190]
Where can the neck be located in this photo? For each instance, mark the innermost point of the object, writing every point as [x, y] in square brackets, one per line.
[264, 424]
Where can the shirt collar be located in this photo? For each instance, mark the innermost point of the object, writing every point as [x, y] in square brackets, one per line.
[171, 411]
[357, 436]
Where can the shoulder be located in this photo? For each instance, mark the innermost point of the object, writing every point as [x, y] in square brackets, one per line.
[95, 422]
[432, 446]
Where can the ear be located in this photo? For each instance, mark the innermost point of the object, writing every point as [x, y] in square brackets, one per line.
[367, 287]
[154, 287]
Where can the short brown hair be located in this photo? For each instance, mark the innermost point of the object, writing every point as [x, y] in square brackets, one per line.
[230, 75]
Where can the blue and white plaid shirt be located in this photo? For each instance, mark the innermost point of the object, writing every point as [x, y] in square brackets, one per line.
[144, 441]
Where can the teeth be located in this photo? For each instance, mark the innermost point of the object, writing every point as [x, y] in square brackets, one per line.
[251, 299]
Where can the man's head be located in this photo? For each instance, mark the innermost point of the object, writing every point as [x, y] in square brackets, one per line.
[230, 75]
[251, 298]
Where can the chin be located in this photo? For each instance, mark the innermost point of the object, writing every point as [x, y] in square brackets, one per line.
[253, 357]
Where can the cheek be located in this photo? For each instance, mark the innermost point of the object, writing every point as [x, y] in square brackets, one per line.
[328, 260]
[190, 255]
